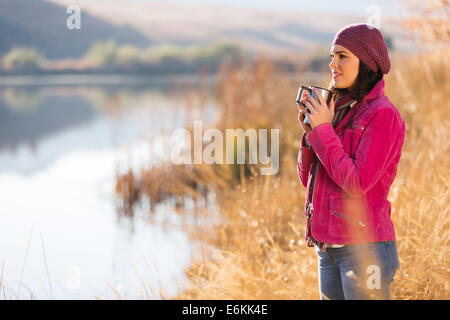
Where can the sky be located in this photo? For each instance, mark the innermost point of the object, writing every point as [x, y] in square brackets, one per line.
[356, 7]
[348, 6]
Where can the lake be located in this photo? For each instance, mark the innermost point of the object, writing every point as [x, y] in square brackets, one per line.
[62, 141]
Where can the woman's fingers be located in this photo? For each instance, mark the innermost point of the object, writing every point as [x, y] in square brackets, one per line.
[313, 102]
[321, 99]
[302, 108]
[311, 108]
[301, 117]
[302, 114]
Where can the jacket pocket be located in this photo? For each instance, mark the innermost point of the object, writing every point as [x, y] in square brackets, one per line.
[357, 129]
[347, 217]
[350, 138]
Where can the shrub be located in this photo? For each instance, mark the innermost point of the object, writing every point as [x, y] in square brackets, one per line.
[22, 58]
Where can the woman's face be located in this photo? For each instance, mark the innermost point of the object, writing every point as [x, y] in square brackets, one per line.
[344, 67]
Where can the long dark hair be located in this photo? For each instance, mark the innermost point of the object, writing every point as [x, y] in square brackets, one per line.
[365, 81]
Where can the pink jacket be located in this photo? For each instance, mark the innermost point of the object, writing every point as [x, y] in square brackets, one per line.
[354, 165]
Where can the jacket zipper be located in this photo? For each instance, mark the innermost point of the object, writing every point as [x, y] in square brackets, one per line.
[311, 206]
[355, 125]
[313, 186]
[350, 219]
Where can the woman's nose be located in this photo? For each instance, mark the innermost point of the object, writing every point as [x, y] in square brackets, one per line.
[332, 64]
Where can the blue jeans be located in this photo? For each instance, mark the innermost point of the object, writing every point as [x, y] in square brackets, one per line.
[357, 271]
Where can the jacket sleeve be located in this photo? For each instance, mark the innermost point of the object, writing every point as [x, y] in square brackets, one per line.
[305, 155]
[380, 142]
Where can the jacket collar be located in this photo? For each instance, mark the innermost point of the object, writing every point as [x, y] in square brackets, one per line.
[377, 91]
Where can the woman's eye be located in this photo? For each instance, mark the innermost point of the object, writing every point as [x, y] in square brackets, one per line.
[340, 56]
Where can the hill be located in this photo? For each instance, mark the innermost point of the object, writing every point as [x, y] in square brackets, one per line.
[42, 25]
[277, 32]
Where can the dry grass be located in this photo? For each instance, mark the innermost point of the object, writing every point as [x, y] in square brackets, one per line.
[256, 247]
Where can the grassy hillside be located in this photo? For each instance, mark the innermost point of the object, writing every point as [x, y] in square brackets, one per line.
[42, 25]
[273, 32]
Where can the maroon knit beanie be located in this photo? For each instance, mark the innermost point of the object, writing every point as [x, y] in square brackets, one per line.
[367, 43]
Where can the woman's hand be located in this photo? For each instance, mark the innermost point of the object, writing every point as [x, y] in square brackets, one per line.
[320, 112]
[301, 117]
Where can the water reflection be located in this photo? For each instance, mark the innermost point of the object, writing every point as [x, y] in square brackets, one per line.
[28, 115]
[60, 147]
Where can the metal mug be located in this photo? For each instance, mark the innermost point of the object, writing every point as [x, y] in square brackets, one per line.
[326, 94]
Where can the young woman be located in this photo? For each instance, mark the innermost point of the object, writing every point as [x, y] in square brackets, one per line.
[347, 162]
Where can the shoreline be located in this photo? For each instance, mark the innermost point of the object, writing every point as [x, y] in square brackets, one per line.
[122, 79]
[99, 79]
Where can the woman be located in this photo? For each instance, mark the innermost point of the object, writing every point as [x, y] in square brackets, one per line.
[347, 162]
